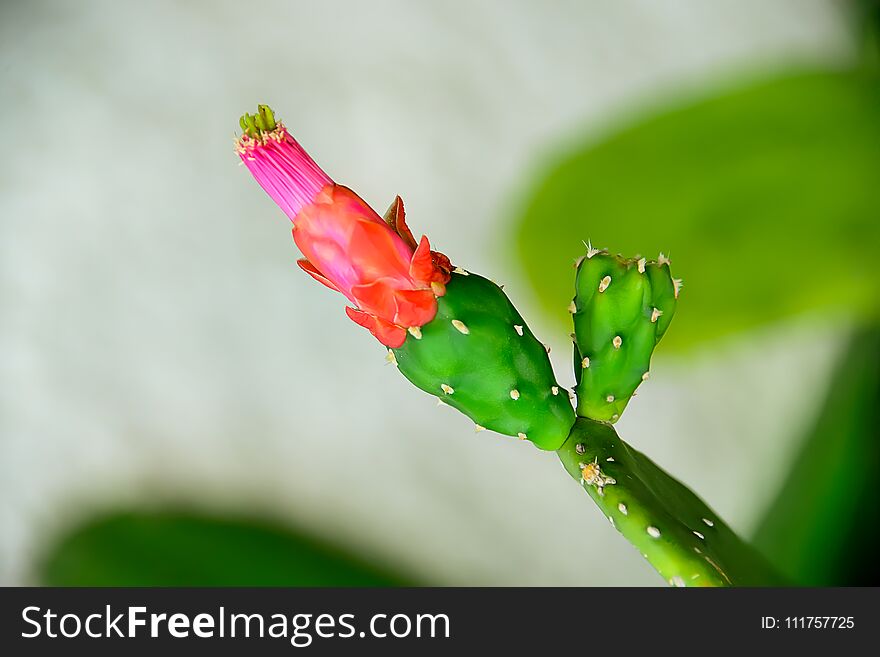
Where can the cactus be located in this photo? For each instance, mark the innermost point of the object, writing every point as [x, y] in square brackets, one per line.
[621, 309]
[479, 356]
[675, 531]
[457, 336]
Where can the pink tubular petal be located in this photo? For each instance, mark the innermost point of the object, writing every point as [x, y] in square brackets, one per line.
[283, 169]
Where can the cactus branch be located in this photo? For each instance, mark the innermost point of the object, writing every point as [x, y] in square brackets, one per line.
[479, 356]
[675, 530]
[621, 309]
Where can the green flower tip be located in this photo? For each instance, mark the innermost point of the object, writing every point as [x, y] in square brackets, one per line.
[255, 125]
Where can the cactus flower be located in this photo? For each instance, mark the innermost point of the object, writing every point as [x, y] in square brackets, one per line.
[391, 280]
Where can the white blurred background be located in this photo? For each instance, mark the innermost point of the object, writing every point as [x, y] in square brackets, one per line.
[159, 344]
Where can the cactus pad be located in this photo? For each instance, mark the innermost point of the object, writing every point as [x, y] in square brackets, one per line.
[621, 309]
[479, 356]
[675, 531]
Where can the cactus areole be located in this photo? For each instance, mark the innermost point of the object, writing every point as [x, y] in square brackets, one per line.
[454, 335]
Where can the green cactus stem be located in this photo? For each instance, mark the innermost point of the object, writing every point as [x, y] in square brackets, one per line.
[675, 530]
[479, 356]
[621, 309]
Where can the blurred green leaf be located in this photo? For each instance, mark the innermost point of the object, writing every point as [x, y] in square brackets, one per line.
[823, 529]
[766, 197]
[180, 548]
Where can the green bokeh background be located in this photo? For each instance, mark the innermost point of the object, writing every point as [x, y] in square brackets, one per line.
[764, 194]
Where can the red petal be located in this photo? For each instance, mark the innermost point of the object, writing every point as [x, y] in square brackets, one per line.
[387, 333]
[312, 271]
[415, 307]
[377, 252]
[359, 316]
[396, 218]
[421, 267]
[377, 298]
[443, 266]
[429, 266]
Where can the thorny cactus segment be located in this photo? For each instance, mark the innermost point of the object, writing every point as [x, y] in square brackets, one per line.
[621, 309]
[675, 531]
[479, 356]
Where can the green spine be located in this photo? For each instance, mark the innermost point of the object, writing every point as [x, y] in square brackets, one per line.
[621, 309]
[479, 356]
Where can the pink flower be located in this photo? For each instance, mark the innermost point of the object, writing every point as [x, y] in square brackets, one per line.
[392, 281]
